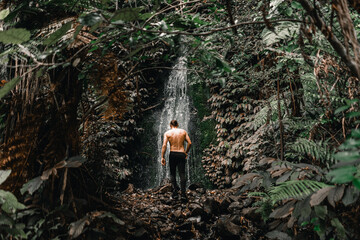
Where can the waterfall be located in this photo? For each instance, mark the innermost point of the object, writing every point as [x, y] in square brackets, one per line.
[176, 106]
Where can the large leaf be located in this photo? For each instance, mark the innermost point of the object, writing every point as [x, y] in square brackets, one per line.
[4, 13]
[4, 174]
[284, 211]
[336, 194]
[321, 211]
[343, 175]
[339, 227]
[126, 15]
[14, 36]
[9, 86]
[320, 195]
[32, 185]
[9, 202]
[58, 34]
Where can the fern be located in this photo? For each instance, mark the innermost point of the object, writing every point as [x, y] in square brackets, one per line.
[298, 189]
[318, 150]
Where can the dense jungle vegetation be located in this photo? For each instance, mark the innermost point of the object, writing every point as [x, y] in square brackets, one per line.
[275, 89]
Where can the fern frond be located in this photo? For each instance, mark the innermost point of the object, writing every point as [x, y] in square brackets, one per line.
[318, 150]
[298, 189]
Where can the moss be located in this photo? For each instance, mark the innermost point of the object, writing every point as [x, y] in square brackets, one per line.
[204, 130]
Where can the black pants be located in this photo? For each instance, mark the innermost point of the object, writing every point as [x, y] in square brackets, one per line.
[177, 159]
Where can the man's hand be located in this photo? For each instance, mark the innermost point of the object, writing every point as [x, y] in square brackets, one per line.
[186, 155]
[163, 162]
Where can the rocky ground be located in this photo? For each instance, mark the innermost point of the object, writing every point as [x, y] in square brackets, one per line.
[207, 214]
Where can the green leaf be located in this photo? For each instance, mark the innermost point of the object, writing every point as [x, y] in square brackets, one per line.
[347, 156]
[356, 183]
[9, 86]
[339, 227]
[90, 19]
[321, 211]
[14, 36]
[9, 202]
[6, 220]
[145, 16]
[4, 13]
[353, 114]
[127, 15]
[4, 174]
[32, 185]
[343, 175]
[296, 5]
[341, 109]
[58, 34]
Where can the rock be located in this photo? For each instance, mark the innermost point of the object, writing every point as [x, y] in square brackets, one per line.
[227, 229]
[211, 206]
[185, 226]
[194, 219]
[177, 213]
[235, 207]
[251, 214]
[224, 204]
[129, 189]
[234, 198]
[165, 189]
[184, 234]
[194, 186]
[200, 190]
[198, 211]
[194, 205]
[141, 233]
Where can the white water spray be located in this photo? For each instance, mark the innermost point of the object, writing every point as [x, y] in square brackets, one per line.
[177, 106]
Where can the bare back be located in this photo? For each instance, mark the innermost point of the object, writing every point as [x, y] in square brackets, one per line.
[176, 138]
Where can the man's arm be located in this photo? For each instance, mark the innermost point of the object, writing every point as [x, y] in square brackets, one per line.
[163, 150]
[187, 138]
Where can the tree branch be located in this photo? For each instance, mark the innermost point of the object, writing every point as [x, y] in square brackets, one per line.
[333, 40]
[214, 30]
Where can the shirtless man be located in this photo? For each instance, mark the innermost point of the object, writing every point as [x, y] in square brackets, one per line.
[176, 137]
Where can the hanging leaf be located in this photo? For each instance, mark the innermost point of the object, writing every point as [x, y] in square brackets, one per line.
[14, 36]
[127, 15]
[4, 13]
[4, 174]
[9, 86]
[75, 162]
[58, 34]
[32, 185]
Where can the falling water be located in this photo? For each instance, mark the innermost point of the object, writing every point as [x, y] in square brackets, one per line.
[176, 107]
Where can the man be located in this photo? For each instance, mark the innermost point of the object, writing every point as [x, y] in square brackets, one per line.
[176, 137]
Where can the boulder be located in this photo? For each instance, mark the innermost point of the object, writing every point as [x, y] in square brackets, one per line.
[228, 230]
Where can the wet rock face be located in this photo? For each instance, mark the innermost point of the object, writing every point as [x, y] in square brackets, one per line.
[207, 214]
